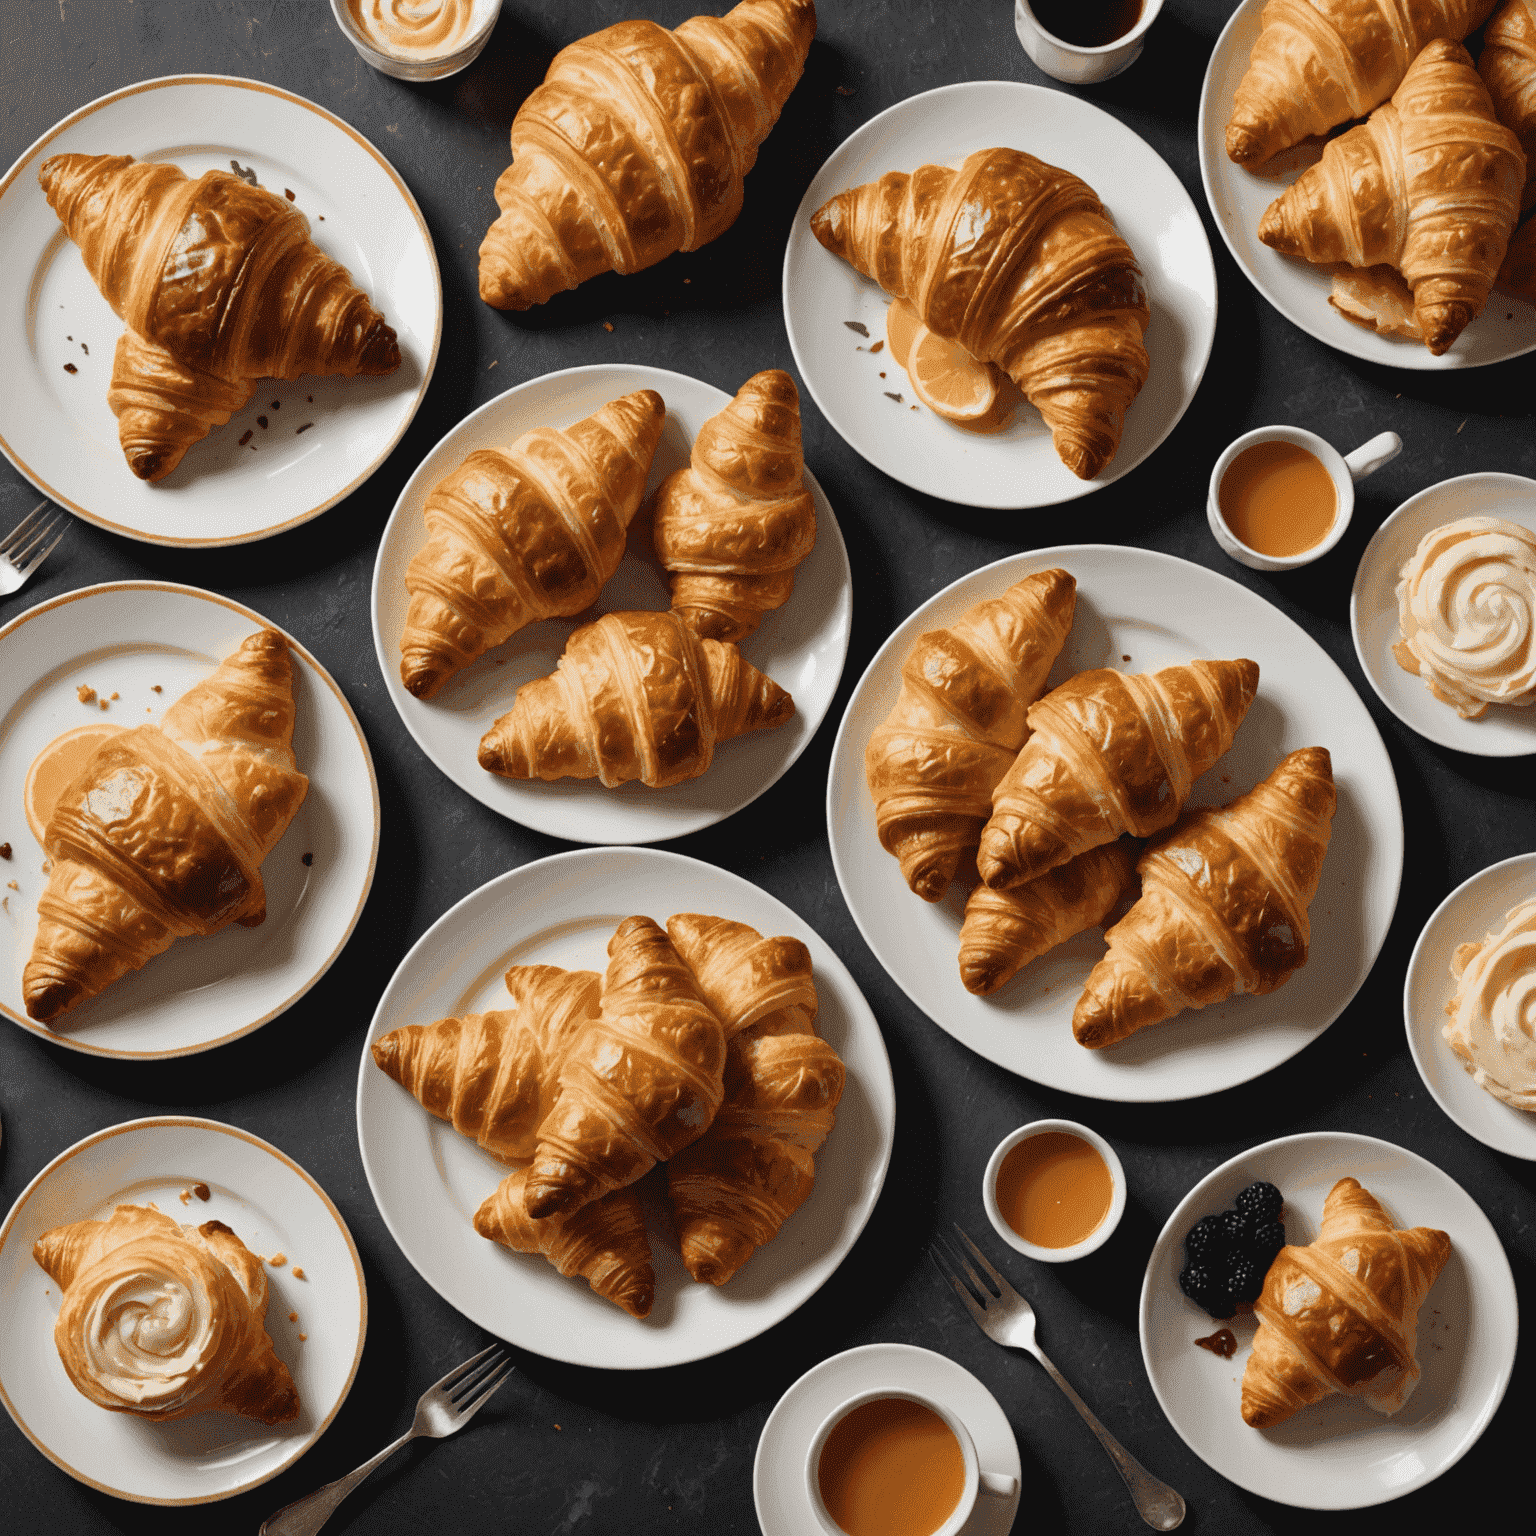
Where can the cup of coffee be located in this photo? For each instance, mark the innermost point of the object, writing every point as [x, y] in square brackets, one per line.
[1084, 41]
[892, 1462]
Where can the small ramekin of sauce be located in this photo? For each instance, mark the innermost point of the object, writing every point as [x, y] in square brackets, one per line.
[1281, 497]
[417, 39]
[1083, 41]
[1054, 1190]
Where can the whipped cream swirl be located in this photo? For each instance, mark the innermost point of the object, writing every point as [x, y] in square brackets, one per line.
[1465, 604]
[1492, 1017]
[413, 29]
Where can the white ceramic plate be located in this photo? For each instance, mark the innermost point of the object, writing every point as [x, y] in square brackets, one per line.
[801, 646]
[1476, 908]
[429, 1181]
[127, 638]
[1339, 1453]
[778, 1472]
[57, 428]
[1138, 611]
[1238, 198]
[1504, 730]
[274, 1207]
[1017, 467]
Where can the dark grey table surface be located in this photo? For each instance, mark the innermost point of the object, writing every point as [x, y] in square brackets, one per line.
[565, 1449]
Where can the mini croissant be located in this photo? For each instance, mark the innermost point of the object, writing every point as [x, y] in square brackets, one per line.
[1508, 67]
[222, 284]
[1110, 753]
[165, 1321]
[958, 724]
[162, 834]
[524, 533]
[1018, 262]
[635, 696]
[1341, 1314]
[1430, 184]
[1223, 905]
[733, 525]
[636, 145]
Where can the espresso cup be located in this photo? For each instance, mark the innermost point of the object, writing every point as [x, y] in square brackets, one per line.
[1073, 63]
[1343, 469]
[978, 1484]
[1100, 1234]
[429, 67]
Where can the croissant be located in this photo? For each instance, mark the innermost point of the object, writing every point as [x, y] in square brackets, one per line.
[746, 979]
[1517, 274]
[1507, 64]
[733, 525]
[1341, 1314]
[1319, 63]
[162, 833]
[637, 1085]
[524, 533]
[636, 146]
[604, 1242]
[1223, 905]
[1430, 184]
[1018, 262]
[1004, 930]
[219, 274]
[495, 1076]
[163, 1320]
[1110, 753]
[635, 696]
[958, 724]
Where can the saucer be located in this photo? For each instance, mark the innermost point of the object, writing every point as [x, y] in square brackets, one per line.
[778, 1473]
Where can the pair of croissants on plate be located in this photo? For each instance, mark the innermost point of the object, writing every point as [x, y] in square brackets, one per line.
[696, 1048]
[1420, 202]
[1045, 790]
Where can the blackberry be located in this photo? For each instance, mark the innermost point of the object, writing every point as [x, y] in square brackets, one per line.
[1203, 1288]
[1245, 1280]
[1205, 1239]
[1261, 1200]
[1235, 1227]
[1265, 1242]
[1228, 1253]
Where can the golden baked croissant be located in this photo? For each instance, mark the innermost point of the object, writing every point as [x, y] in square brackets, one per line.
[1319, 63]
[1508, 67]
[638, 1084]
[162, 833]
[163, 1320]
[1110, 753]
[1517, 274]
[1341, 1314]
[733, 525]
[604, 1241]
[1430, 184]
[636, 145]
[1004, 930]
[958, 724]
[524, 533]
[1223, 905]
[1018, 262]
[219, 274]
[635, 696]
[495, 1076]
[745, 978]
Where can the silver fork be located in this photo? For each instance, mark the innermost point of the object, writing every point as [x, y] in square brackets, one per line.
[24, 549]
[1007, 1318]
[444, 1407]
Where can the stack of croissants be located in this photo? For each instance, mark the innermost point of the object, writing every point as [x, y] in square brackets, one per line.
[697, 1048]
[978, 770]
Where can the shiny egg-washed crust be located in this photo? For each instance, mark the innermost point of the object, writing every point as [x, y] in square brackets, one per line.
[1507, 64]
[636, 145]
[524, 533]
[1341, 1315]
[744, 977]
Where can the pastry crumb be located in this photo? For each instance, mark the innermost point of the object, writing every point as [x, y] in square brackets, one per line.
[185, 1197]
[5, 850]
[70, 368]
[85, 693]
[278, 1260]
[156, 688]
[607, 325]
[104, 704]
[201, 1191]
[303, 1337]
[293, 1317]
[298, 1274]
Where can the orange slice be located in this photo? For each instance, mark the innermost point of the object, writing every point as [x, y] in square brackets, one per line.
[902, 324]
[948, 380]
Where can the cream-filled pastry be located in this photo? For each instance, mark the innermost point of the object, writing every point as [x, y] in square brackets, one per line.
[1492, 1016]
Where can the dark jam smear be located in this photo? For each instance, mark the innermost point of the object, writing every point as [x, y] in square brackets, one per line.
[1223, 1342]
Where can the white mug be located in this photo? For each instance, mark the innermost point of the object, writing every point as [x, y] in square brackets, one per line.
[1077, 65]
[978, 1484]
[1343, 469]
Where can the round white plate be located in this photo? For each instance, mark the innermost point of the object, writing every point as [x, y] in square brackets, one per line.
[1238, 198]
[1504, 730]
[128, 638]
[1476, 908]
[778, 1472]
[1017, 467]
[429, 1181]
[1339, 1453]
[274, 1207]
[1138, 611]
[56, 426]
[801, 646]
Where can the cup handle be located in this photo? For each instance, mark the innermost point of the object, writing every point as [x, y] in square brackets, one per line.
[1369, 457]
[998, 1484]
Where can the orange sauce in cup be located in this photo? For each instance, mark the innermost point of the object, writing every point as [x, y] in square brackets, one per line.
[1054, 1189]
[891, 1467]
[54, 767]
[1278, 499]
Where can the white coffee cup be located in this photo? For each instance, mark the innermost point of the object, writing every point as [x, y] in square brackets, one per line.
[1343, 469]
[1077, 65]
[430, 67]
[1100, 1235]
[978, 1484]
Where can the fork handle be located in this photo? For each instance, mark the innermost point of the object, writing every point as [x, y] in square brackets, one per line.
[1158, 1504]
[305, 1516]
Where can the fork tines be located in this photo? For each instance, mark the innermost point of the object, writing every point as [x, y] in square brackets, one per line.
[951, 1261]
[30, 532]
[478, 1379]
